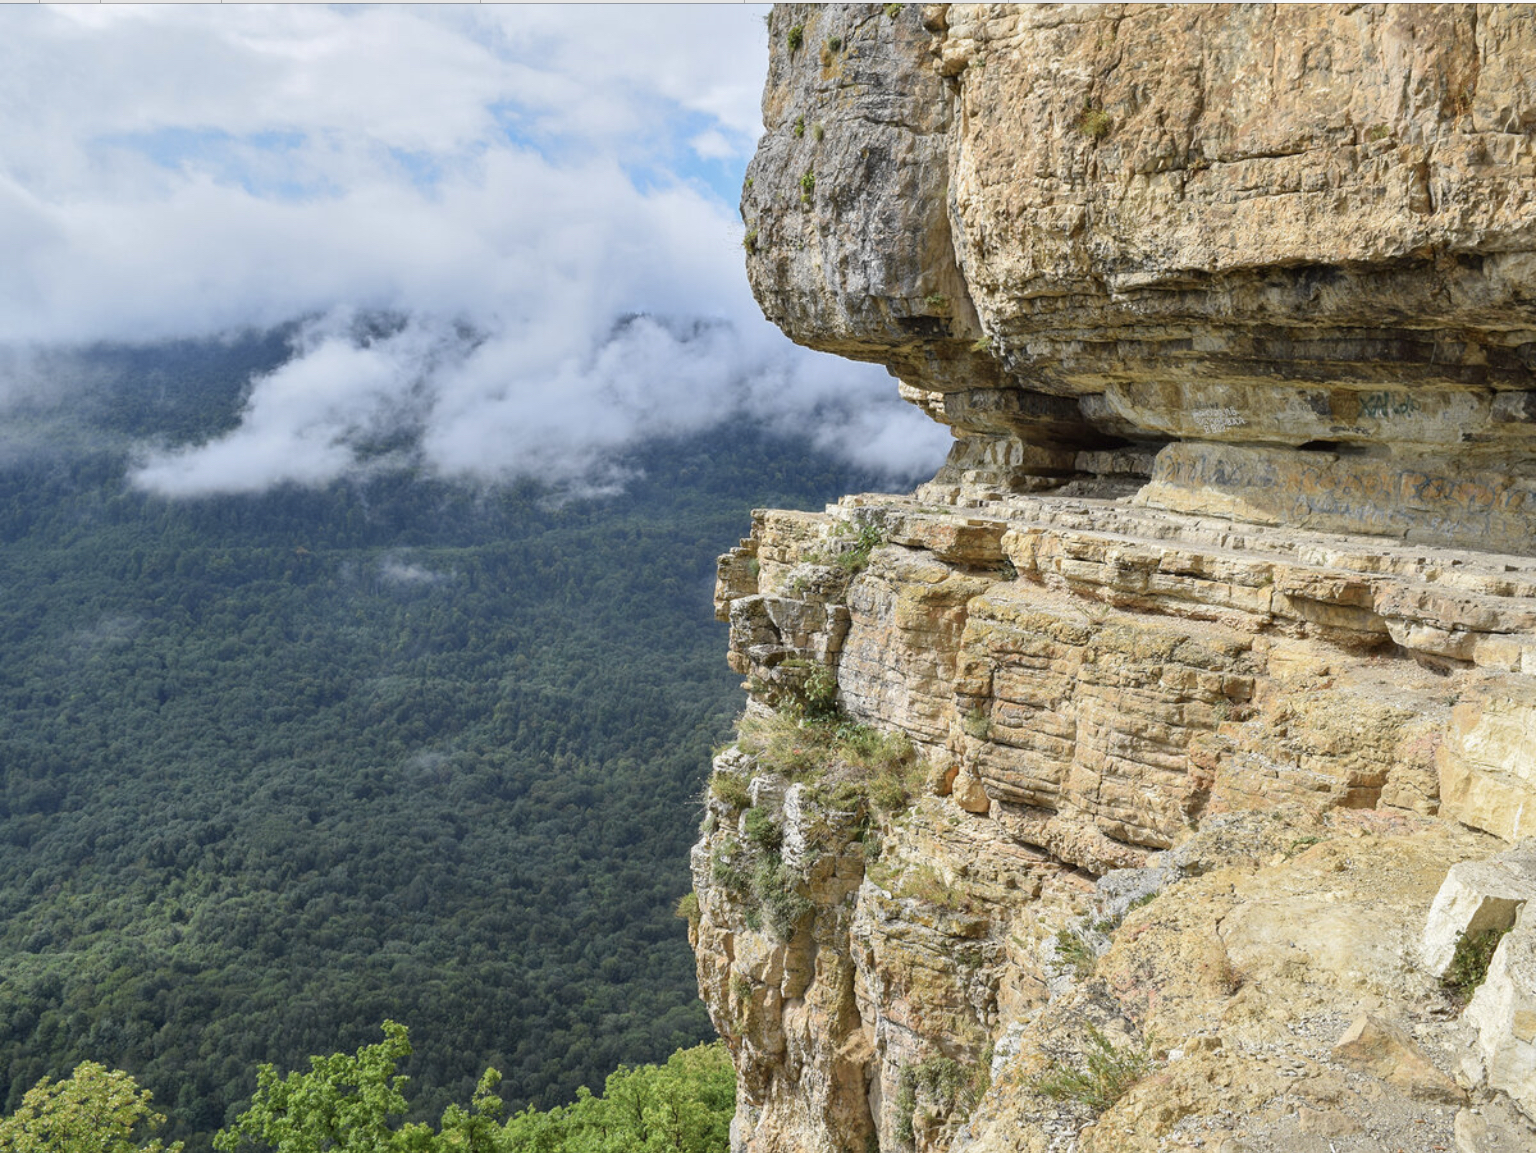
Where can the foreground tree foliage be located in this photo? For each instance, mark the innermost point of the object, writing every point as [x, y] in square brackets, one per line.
[94, 1110]
[354, 1104]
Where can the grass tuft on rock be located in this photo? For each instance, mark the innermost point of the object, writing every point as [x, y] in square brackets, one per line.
[1107, 1074]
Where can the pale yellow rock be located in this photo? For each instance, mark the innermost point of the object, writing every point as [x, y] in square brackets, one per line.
[1220, 228]
[1503, 1011]
[1387, 1052]
[1488, 763]
[1477, 896]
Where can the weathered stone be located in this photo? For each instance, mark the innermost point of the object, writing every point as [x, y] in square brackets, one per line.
[1385, 1051]
[1477, 896]
[1503, 1010]
[1488, 762]
[1071, 227]
[1422, 499]
[1225, 597]
[1493, 1127]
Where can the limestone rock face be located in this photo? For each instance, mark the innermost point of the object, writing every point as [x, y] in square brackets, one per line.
[1128, 786]
[1214, 235]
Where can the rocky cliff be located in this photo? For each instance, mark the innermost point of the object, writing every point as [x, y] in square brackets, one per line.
[1153, 777]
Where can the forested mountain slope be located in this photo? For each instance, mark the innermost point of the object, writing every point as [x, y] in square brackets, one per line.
[278, 767]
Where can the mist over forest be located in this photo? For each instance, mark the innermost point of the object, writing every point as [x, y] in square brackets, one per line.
[282, 764]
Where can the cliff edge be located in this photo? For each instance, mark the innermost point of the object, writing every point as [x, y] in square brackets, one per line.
[1154, 777]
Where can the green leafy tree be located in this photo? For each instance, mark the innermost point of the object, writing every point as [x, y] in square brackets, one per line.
[684, 1106]
[94, 1110]
[352, 1102]
[342, 1103]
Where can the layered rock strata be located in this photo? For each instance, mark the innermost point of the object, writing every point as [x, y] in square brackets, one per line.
[1282, 254]
[1098, 794]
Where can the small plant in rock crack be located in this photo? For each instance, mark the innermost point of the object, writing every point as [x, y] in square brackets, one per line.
[731, 789]
[856, 559]
[939, 1087]
[1094, 123]
[775, 888]
[795, 37]
[761, 829]
[1074, 953]
[1469, 964]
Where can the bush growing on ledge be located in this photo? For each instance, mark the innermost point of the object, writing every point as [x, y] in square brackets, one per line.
[924, 883]
[851, 764]
[775, 889]
[1106, 1075]
[939, 1087]
[688, 908]
[761, 829]
[868, 539]
[796, 37]
[852, 560]
[1075, 953]
[731, 789]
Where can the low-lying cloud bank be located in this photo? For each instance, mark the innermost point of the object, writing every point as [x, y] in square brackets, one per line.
[485, 407]
[543, 194]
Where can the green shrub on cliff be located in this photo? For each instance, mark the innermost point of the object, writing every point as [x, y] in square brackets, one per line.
[849, 763]
[1093, 123]
[1105, 1076]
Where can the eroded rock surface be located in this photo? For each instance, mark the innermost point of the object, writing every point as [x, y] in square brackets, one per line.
[1214, 236]
[1101, 795]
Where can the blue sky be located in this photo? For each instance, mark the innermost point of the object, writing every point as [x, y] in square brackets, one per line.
[532, 172]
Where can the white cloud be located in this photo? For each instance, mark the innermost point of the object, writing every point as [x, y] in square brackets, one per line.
[536, 173]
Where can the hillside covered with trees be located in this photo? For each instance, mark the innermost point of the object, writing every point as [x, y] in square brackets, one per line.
[280, 767]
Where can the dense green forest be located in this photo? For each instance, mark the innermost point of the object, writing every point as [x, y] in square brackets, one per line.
[279, 767]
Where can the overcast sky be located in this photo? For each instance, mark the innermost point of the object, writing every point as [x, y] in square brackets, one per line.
[529, 175]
